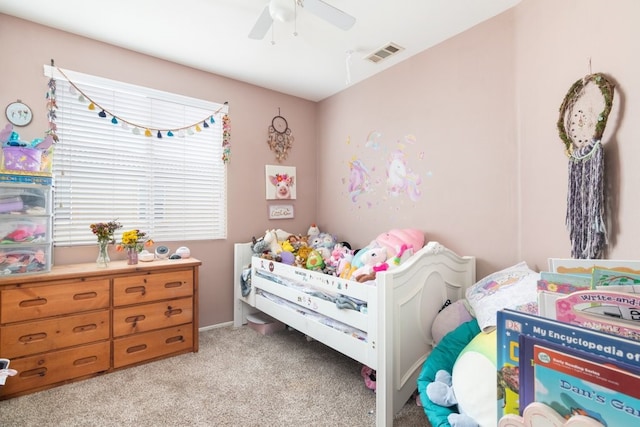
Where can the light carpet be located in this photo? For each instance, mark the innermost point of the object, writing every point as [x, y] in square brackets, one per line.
[238, 378]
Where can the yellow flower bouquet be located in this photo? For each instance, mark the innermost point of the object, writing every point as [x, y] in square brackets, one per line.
[134, 240]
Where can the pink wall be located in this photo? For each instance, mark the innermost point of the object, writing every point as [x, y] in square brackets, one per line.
[27, 47]
[482, 108]
[473, 118]
[554, 43]
[456, 101]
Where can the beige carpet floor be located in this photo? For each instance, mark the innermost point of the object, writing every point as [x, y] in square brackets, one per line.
[238, 378]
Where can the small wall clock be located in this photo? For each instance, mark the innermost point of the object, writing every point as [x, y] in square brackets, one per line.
[18, 113]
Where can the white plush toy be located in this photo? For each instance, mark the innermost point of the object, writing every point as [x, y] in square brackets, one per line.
[271, 238]
[373, 255]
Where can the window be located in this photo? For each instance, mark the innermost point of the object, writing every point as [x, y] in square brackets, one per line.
[171, 184]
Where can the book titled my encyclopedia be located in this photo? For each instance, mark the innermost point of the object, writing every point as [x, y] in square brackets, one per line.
[511, 324]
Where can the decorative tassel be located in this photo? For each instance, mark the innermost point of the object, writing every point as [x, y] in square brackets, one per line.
[586, 202]
[102, 114]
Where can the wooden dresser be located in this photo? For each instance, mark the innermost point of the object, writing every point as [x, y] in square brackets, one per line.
[79, 320]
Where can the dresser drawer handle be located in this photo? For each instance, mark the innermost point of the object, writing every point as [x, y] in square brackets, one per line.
[85, 328]
[177, 338]
[134, 319]
[173, 284]
[172, 311]
[85, 360]
[136, 348]
[37, 372]
[85, 295]
[32, 337]
[33, 302]
[136, 289]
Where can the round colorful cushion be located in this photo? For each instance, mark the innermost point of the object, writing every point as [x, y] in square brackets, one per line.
[443, 357]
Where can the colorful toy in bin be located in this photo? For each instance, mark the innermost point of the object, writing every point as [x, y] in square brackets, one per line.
[22, 156]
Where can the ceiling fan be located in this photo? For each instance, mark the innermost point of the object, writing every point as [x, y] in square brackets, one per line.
[284, 10]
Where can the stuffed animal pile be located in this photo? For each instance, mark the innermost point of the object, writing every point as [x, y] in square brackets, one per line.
[321, 251]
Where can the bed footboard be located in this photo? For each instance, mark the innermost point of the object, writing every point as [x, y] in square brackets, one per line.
[409, 299]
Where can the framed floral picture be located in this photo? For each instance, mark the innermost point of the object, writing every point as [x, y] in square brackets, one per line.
[280, 182]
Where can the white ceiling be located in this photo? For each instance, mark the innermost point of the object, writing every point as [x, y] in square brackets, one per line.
[212, 35]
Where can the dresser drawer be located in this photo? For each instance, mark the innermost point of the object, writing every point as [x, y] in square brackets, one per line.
[147, 346]
[152, 287]
[55, 367]
[37, 337]
[44, 301]
[149, 317]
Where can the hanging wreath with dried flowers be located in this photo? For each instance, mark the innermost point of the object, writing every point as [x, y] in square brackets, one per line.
[583, 118]
[572, 120]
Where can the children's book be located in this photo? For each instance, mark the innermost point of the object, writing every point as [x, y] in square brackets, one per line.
[563, 283]
[612, 312]
[576, 382]
[614, 280]
[586, 266]
[511, 324]
[553, 285]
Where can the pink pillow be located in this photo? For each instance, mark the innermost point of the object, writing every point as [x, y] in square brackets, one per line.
[393, 240]
[452, 316]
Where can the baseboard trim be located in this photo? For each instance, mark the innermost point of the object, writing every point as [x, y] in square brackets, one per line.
[216, 326]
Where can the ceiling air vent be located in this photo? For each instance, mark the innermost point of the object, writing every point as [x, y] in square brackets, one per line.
[384, 52]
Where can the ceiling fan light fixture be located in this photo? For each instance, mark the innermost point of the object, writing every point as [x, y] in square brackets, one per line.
[282, 10]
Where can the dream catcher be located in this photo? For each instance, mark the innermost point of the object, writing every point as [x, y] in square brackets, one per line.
[280, 137]
[583, 117]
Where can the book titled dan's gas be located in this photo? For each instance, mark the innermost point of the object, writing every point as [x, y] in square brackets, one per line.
[511, 324]
[576, 382]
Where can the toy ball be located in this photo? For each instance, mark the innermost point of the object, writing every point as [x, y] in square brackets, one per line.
[183, 251]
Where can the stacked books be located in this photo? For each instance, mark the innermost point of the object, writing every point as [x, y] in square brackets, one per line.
[580, 357]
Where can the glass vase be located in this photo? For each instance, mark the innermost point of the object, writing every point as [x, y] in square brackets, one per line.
[103, 254]
[132, 256]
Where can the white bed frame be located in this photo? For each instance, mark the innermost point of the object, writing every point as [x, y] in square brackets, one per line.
[401, 307]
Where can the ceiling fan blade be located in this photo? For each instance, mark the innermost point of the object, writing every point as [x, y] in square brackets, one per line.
[262, 25]
[330, 14]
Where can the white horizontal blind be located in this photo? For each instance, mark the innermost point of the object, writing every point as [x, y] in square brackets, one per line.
[174, 187]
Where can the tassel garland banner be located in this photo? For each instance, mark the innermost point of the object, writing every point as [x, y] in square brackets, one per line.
[138, 129]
